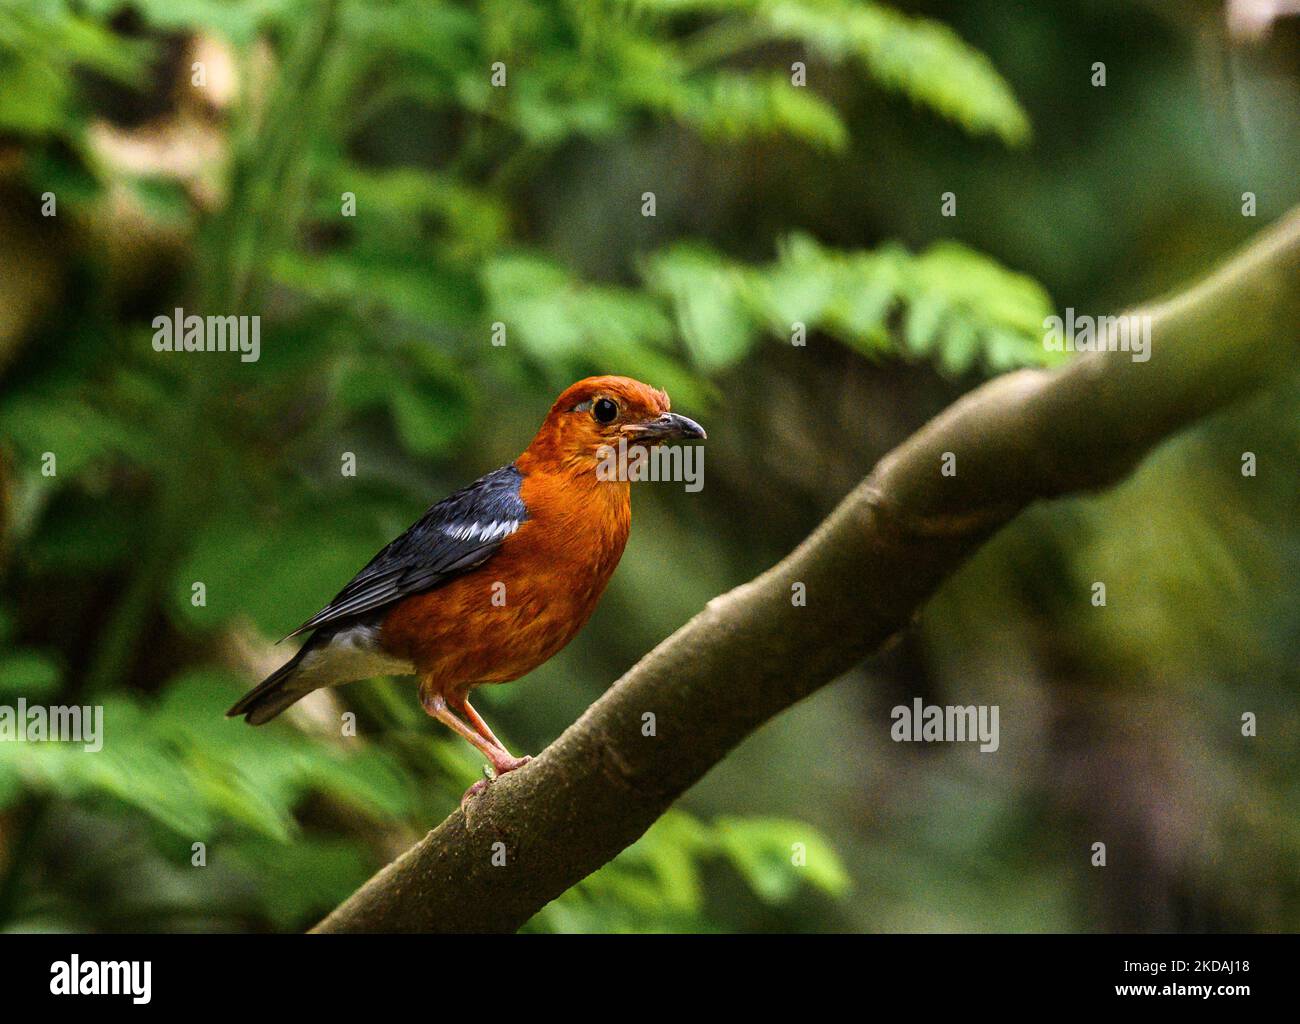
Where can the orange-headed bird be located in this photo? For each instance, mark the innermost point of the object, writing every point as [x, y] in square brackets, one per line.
[493, 580]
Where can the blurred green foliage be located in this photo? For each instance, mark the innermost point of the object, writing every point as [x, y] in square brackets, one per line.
[521, 206]
[172, 470]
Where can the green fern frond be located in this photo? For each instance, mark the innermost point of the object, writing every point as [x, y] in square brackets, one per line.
[922, 59]
[948, 303]
[734, 106]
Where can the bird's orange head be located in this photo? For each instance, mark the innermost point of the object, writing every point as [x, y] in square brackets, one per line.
[598, 412]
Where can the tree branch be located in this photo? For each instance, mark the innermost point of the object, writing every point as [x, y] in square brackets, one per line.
[867, 569]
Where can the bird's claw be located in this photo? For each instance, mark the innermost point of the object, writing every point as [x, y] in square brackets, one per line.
[474, 791]
[483, 783]
[512, 764]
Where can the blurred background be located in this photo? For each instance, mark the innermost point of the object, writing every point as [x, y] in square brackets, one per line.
[348, 172]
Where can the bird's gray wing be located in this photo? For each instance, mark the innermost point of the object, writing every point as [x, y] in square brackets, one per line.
[460, 532]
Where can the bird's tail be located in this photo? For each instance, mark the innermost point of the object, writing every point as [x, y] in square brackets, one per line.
[274, 693]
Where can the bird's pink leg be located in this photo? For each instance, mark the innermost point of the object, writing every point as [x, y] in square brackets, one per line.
[501, 759]
[461, 704]
[436, 705]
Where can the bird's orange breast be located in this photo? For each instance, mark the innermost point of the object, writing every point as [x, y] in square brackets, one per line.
[502, 620]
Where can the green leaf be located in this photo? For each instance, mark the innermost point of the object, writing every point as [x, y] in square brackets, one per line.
[777, 855]
[958, 305]
[555, 316]
[75, 431]
[735, 106]
[28, 674]
[706, 294]
[923, 59]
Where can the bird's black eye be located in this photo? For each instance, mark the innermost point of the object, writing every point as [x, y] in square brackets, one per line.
[604, 410]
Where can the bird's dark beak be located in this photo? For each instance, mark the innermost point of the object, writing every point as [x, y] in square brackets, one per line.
[668, 427]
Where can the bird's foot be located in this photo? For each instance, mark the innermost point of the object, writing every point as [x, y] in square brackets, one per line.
[511, 764]
[473, 791]
[500, 767]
